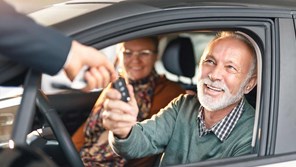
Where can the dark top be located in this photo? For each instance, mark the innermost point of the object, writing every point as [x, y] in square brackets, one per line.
[32, 45]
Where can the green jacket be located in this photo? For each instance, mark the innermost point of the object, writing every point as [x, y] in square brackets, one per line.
[174, 131]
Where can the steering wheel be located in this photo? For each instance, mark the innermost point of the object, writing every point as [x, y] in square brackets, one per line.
[32, 97]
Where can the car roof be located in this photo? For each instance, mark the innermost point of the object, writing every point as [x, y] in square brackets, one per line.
[289, 4]
[284, 4]
[89, 13]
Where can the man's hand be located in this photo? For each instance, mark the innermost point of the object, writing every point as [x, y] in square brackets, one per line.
[119, 116]
[101, 71]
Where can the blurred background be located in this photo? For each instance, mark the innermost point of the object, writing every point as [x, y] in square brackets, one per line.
[28, 6]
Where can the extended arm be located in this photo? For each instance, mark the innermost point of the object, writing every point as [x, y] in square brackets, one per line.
[48, 51]
[132, 140]
[24, 41]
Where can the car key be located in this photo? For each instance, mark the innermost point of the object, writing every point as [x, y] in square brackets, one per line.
[120, 85]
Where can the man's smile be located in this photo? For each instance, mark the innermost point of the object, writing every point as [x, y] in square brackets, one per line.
[214, 88]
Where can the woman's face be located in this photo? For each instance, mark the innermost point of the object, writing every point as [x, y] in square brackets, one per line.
[138, 57]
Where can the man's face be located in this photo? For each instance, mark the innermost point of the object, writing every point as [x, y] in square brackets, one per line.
[139, 57]
[223, 73]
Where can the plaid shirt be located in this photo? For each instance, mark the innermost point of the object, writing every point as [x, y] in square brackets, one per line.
[223, 128]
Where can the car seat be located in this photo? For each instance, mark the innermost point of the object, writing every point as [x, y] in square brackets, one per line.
[178, 58]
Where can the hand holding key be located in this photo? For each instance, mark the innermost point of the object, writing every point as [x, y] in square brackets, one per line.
[89, 67]
[119, 114]
[120, 85]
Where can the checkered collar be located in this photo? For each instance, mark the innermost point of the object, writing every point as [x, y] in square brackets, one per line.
[223, 128]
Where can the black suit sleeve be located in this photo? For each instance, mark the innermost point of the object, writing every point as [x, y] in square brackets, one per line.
[24, 41]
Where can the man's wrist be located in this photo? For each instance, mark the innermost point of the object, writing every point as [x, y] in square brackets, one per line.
[123, 137]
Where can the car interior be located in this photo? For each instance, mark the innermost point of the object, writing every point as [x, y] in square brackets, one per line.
[178, 60]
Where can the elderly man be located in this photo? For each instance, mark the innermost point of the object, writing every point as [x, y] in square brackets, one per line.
[216, 124]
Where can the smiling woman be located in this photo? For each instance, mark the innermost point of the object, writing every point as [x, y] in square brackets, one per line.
[152, 91]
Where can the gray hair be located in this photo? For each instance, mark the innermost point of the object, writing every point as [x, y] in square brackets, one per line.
[245, 40]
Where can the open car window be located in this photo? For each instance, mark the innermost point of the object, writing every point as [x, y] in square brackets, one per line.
[259, 41]
[199, 39]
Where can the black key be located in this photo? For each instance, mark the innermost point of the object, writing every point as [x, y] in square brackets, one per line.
[120, 85]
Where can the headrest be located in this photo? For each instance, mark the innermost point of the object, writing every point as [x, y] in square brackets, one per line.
[178, 57]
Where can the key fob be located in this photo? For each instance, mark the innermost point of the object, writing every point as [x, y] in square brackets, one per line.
[120, 85]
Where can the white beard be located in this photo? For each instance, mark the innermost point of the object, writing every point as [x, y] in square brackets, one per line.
[212, 104]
